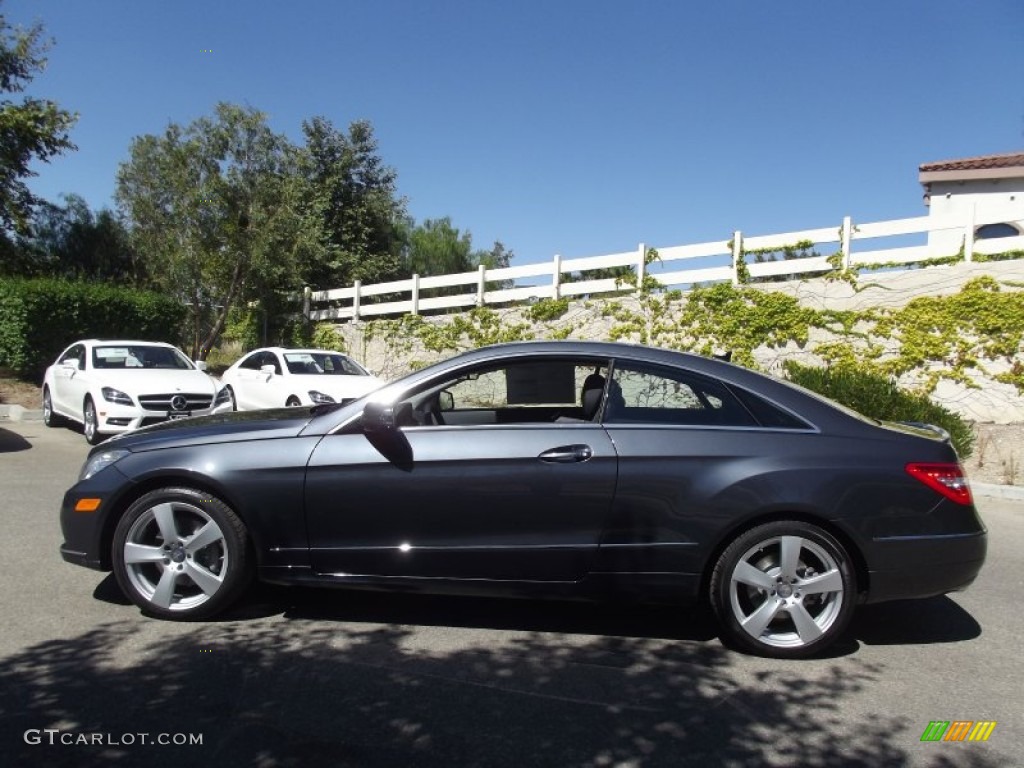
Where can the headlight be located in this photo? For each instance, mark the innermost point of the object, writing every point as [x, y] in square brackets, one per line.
[100, 461]
[112, 395]
[320, 397]
[223, 396]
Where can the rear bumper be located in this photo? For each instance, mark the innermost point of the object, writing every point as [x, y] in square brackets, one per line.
[925, 566]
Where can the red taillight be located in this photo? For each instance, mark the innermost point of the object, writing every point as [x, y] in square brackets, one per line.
[947, 479]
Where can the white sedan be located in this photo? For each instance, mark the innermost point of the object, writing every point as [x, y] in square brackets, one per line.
[275, 377]
[116, 386]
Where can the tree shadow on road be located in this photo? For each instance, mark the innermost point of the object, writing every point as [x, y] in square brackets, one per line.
[366, 679]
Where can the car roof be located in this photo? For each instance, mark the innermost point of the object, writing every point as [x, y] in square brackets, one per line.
[127, 342]
[300, 350]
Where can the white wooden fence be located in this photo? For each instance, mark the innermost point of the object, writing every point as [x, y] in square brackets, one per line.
[674, 270]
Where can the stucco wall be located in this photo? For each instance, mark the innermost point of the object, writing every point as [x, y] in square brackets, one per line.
[991, 401]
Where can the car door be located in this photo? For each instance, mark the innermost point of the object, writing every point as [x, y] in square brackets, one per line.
[498, 485]
[691, 460]
[70, 381]
[251, 383]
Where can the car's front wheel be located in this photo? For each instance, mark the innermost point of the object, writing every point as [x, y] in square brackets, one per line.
[231, 399]
[293, 402]
[50, 418]
[181, 554]
[90, 423]
[784, 589]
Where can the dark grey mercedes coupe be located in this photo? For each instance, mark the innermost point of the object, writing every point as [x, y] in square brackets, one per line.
[565, 469]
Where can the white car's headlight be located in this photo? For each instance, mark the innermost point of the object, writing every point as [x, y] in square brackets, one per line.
[100, 461]
[320, 397]
[223, 396]
[112, 395]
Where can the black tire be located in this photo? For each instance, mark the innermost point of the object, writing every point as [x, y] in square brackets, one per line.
[181, 554]
[90, 423]
[50, 418]
[785, 590]
[293, 402]
[231, 396]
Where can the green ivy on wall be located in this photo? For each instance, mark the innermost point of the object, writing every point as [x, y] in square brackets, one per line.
[954, 337]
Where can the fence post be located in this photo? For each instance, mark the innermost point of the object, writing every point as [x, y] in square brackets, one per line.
[737, 254]
[844, 245]
[556, 277]
[307, 296]
[972, 213]
[355, 300]
[641, 267]
[480, 283]
[415, 294]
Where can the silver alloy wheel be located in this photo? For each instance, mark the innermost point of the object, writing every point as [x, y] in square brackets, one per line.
[176, 556]
[89, 425]
[786, 591]
[48, 418]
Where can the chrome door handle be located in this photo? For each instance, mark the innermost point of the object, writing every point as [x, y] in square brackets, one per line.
[567, 454]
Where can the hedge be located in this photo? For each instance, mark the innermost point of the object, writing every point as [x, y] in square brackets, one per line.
[40, 317]
[880, 398]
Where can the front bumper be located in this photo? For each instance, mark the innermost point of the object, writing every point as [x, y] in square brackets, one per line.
[87, 534]
[113, 418]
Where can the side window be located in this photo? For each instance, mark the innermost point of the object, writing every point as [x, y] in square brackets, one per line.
[520, 392]
[76, 352]
[252, 362]
[769, 415]
[659, 395]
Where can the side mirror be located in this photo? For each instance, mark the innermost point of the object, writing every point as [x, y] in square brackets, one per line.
[200, 365]
[445, 400]
[268, 369]
[382, 418]
[71, 363]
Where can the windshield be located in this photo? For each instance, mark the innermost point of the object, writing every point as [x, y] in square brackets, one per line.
[139, 356]
[322, 363]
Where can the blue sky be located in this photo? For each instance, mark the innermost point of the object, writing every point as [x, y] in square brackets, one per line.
[579, 127]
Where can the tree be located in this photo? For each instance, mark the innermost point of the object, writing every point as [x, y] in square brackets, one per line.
[222, 213]
[71, 241]
[362, 213]
[30, 129]
[435, 247]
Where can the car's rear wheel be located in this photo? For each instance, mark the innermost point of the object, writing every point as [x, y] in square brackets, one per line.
[50, 418]
[181, 554]
[784, 589]
[90, 423]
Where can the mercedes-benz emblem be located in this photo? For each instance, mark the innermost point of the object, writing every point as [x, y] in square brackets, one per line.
[179, 403]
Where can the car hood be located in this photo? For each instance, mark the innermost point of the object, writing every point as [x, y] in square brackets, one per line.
[218, 428]
[157, 381]
[337, 387]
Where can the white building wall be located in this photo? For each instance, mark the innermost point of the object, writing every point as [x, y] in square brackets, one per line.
[958, 198]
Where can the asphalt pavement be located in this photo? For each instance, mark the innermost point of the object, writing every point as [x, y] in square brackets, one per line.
[310, 677]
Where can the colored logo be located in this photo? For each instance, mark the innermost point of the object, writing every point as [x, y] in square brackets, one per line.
[958, 730]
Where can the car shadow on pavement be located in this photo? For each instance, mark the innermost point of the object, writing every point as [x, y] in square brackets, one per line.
[913, 622]
[935, 620]
[11, 442]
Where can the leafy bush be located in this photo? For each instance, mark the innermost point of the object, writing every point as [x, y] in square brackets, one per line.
[548, 309]
[325, 336]
[880, 398]
[38, 318]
